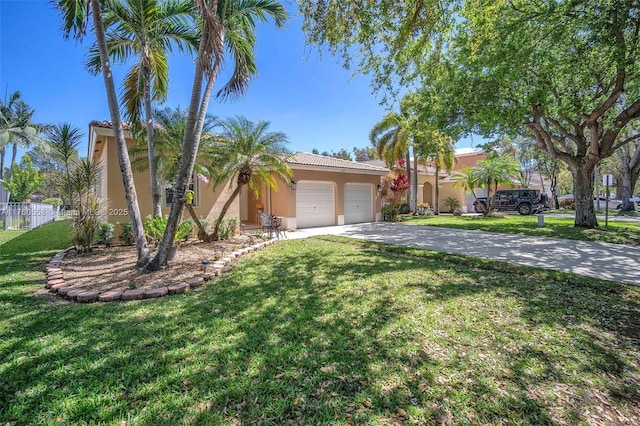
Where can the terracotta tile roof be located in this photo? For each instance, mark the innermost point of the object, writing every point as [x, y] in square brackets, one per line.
[307, 159]
[106, 124]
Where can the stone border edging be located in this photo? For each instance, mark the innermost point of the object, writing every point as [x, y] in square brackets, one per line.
[56, 284]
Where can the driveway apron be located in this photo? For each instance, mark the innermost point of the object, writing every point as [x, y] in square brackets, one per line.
[601, 260]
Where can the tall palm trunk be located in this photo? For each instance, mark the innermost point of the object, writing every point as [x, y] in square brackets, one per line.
[408, 172]
[414, 184]
[151, 149]
[121, 144]
[436, 204]
[193, 130]
[2, 152]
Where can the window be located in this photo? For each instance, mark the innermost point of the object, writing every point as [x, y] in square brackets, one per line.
[168, 193]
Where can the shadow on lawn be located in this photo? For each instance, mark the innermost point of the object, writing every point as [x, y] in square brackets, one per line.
[299, 334]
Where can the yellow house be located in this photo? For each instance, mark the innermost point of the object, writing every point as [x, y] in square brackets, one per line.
[325, 190]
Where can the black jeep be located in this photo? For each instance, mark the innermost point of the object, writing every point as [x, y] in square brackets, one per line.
[524, 201]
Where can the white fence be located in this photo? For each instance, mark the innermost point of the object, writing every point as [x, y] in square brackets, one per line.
[26, 215]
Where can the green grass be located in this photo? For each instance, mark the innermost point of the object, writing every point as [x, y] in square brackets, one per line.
[323, 331]
[617, 232]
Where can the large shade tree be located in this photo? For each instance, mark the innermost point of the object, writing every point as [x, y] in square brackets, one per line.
[563, 72]
[75, 15]
[145, 32]
[225, 24]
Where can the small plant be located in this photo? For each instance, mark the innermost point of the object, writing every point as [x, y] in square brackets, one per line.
[55, 202]
[457, 212]
[424, 209]
[228, 228]
[86, 224]
[126, 235]
[132, 284]
[105, 233]
[154, 228]
[453, 203]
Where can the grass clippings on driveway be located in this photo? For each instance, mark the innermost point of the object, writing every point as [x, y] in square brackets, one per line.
[616, 232]
[329, 331]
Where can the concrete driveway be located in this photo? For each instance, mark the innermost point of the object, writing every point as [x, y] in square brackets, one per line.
[602, 260]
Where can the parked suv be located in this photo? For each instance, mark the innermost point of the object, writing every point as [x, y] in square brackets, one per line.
[524, 201]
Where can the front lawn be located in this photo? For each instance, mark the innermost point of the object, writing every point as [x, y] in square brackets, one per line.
[617, 232]
[325, 331]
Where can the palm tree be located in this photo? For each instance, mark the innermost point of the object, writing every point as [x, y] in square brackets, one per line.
[75, 14]
[440, 150]
[146, 30]
[64, 140]
[247, 155]
[16, 127]
[494, 171]
[226, 24]
[392, 139]
[465, 178]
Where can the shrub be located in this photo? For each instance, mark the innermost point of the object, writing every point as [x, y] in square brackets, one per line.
[105, 233]
[126, 236]
[567, 203]
[228, 228]
[154, 228]
[453, 203]
[86, 224]
[404, 208]
[55, 202]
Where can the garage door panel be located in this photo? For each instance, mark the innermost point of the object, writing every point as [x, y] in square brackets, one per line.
[358, 203]
[315, 204]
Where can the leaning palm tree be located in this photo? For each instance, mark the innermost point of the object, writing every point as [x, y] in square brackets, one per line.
[247, 154]
[64, 140]
[145, 31]
[465, 178]
[75, 14]
[230, 25]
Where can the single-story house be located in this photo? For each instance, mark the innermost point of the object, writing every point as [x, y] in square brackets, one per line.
[325, 190]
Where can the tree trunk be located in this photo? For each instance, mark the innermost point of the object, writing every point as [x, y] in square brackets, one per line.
[407, 159]
[414, 184]
[193, 131]
[630, 171]
[583, 195]
[436, 204]
[121, 143]
[151, 150]
[14, 154]
[202, 233]
[227, 204]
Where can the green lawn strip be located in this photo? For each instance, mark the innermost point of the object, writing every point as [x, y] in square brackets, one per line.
[332, 330]
[9, 235]
[616, 232]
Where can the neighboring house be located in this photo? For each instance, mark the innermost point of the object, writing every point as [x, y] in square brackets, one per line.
[327, 191]
[464, 157]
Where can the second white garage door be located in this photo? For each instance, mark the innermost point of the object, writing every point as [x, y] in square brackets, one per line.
[315, 204]
[358, 203]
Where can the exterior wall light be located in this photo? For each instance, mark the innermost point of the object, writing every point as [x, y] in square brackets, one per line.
[293, 185]
[379, 188]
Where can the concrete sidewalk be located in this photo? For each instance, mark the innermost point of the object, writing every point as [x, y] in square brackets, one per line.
[601, 260]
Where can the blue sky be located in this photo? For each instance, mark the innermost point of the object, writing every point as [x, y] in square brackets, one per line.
[312, 99]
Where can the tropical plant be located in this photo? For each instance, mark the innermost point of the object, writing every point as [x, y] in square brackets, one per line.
[143, 32]
[64, 140]
[226, 24]
[492, 172]
[247, 154]
[155, 227]
[75, 14]
[86, 223]
[82, 181]
[16, 127]
[465, 178]
[392, 138]
[453, 203]
[437, 148]
[25, 180]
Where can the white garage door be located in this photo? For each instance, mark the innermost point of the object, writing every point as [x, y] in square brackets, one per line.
[358, 203]
[315, 204]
